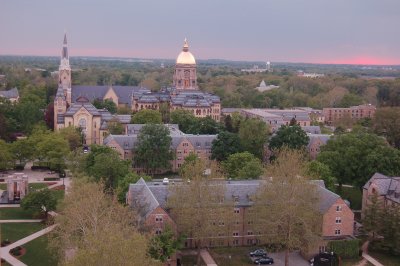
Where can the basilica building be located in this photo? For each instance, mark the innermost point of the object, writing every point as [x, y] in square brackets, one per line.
[73, 103]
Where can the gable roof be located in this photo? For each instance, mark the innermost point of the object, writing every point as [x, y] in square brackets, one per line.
[75, 107]
[387, 186]
[240, 190]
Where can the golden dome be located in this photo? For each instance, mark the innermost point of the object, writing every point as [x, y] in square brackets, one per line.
[186, 57]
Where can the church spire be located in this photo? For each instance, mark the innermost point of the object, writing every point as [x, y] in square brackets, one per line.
[64, 54]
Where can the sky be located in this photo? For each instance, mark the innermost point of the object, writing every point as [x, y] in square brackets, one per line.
[310, 31]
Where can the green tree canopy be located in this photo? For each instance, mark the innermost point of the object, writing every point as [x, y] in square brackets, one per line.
[115, 127]
[354, 157]
[243, 165]
[292, 137]
[22, 150]
[204, 125]
[153, 149]
[147, 116]
[387, 123]
[73, 136]
[104, 164]
[224, 145]
[164, 245]
[39, 201]
[318, 170]
[183, 118]
[106, 104]
[6, 157]
[253, 134]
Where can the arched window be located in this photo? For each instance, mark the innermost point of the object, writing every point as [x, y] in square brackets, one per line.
[82, 124]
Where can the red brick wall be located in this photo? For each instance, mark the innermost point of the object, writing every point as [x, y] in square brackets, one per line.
[346, 226]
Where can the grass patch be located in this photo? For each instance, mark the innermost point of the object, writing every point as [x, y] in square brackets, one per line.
[234, 256]
[352, 194]
[36, 186]
[189, 260]
[38, 254]
[3, 186]
[385, 259]
[16, 231]
[16, 213]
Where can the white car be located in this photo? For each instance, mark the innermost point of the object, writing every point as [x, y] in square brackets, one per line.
[165, 181]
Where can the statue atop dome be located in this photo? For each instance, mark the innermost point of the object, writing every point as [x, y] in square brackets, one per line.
[185, 76]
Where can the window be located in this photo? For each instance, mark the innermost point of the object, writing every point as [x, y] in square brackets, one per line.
[235, 242]
[250, 222]
[159, 218]
[235, 234]
[250, 233]
[338, 220]
[337, 232]
[322, 249]
[221, 223]
[158, 231]
[236, 210]
[338, 208]
[82, 124]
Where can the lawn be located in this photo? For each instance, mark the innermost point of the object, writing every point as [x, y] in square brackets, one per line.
[189, 260]
[385, 259]
[15, 213]
[235, 256]
[37, 253]
[32, 186]
[352, 194]
[16, 231]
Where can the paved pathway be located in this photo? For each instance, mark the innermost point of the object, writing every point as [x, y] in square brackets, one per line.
[9, 206]
[5, 251]
[208, 260]
[367, 258]
[21, 221]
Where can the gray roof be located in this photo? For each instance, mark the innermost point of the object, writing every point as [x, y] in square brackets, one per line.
[312, 129]
[194, 99]
[9, 94]
[134, 129]
[386, 186]
[124, 93]
[318, 137]
[154, 194]
[75, 107]
[124, 119]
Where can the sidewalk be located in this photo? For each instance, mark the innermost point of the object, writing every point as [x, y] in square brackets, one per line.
[21, 221]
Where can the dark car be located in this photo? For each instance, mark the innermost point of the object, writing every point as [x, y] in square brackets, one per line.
[325, 259]
[258, 253]
[266, 260]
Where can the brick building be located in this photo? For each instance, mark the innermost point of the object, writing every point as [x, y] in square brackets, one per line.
[354, 112]
[150, 200]
[182, 144]
[385, 187]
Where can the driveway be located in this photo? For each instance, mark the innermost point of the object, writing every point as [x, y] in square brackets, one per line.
[295, 259]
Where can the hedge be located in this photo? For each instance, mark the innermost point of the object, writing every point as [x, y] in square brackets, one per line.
[51, 179]
[345, 248]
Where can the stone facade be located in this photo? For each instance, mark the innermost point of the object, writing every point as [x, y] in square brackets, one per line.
[17, 187]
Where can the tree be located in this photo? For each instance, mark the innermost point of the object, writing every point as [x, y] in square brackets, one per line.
[98, 229]
[228, 123]
[115, 127]
[318, 170]
[52, 148]
[372, 215]
[293, 137]
[5, 156]
[183, 118]
[123, 185]
[147, 116]
[41, 201]
[164, 245]
[387, 123]
[243, 165]
[153, 149]
[165, 112]
[286, 205]
[108, 167]
[106, 104]
[73, 136]
[198, 206]
[354, 157]
[224, 145]
[253, 134]
[22, 150]
[204, 125]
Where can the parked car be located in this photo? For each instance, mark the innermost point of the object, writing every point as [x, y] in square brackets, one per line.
[325, 259]
[266, 260]
[258, 253]
[165, 181]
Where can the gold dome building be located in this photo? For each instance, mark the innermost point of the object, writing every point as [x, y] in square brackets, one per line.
[185, 76]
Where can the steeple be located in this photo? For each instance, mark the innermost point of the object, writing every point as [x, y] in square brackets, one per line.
[64, 54]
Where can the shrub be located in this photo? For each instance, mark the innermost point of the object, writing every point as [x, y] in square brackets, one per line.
[51, 179]
[345, 248]
[16, 251]
[19, 167]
